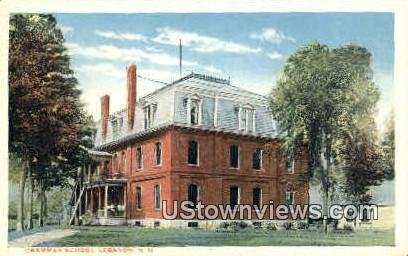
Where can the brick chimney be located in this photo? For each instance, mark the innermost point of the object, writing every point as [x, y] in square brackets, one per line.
[104, 115]
[131, 95]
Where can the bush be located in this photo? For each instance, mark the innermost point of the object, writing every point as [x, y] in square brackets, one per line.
[302, 225]
[348, 227]
[288, 225]
[271, 226]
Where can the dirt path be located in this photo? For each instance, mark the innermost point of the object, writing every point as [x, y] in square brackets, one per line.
[41, 237]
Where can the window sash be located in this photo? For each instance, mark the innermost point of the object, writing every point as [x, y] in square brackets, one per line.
[257, 198]
[139, 197]
[289, 198]
[193, 153]
[158, 153]
[234, 156]
[157, 197]
[139, 158]
[257, 159]
[234, 196]
[193, 195]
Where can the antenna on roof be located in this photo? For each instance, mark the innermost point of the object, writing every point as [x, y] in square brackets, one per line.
[180, 56]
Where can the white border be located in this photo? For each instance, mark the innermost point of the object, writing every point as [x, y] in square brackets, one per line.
[400, 9]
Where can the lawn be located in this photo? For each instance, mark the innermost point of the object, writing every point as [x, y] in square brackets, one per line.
[136, 236]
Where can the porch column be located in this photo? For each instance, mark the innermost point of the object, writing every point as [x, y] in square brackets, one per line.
[92, 200]
[99, 198]
[86, 199]
[89, 172]
[124, 199]
[106, 201]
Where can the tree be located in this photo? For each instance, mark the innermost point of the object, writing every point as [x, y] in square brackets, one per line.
[316, 101]
[44, 110]
[388, 146]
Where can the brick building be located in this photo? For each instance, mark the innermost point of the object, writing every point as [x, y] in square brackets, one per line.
[197, 139]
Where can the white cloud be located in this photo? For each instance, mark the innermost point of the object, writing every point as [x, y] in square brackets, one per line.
[275, 56]
[272, 35]
[101, 69]
[200, 43]
[105, 78]
[66, 29]
[110, 52]
[122, 36]
[212, 69]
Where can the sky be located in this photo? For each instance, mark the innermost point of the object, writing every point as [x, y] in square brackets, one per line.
[249, 48]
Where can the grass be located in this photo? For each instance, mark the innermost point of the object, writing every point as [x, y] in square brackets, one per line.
[134, 236]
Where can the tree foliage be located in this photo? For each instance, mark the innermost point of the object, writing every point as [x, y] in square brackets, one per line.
[46, 121]
[322, 97]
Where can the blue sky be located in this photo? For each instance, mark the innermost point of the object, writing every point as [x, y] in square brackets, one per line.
[250, 48]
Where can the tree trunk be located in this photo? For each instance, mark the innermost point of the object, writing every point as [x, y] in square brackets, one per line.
[325, 164]
[42, 206]
[30, 181]
[20, 210]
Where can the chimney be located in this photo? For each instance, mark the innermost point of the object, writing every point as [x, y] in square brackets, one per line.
[131, 97]
[104, 115]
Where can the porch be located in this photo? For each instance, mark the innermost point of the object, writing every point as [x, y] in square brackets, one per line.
[99, 197]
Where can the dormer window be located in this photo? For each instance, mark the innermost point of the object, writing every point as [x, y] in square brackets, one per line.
[149, 115]
[194, 110]
[117, 124]
[246, 115]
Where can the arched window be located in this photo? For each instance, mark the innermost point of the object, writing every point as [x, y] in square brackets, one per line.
[193, 152]
[157, 197]
[257, 159]
[158, 151]
[139, 198]
[257, 198]
[193, 195]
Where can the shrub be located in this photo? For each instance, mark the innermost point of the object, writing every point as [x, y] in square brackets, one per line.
[271, 226]
[302, 225]
[288, 225]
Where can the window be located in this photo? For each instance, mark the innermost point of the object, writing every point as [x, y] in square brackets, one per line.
[158, 153]
[234, 196]
[193, 195]
[193, 152]
[289, 199]
[149, 115]
[257, 159]
[117, 125]
[138, 197]
[290, 164]
[114, 129]
[157, 197]
[246, 119]
[257, 198]
[139, 157]
[123, 167]
[234, 156]
[194, 112]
